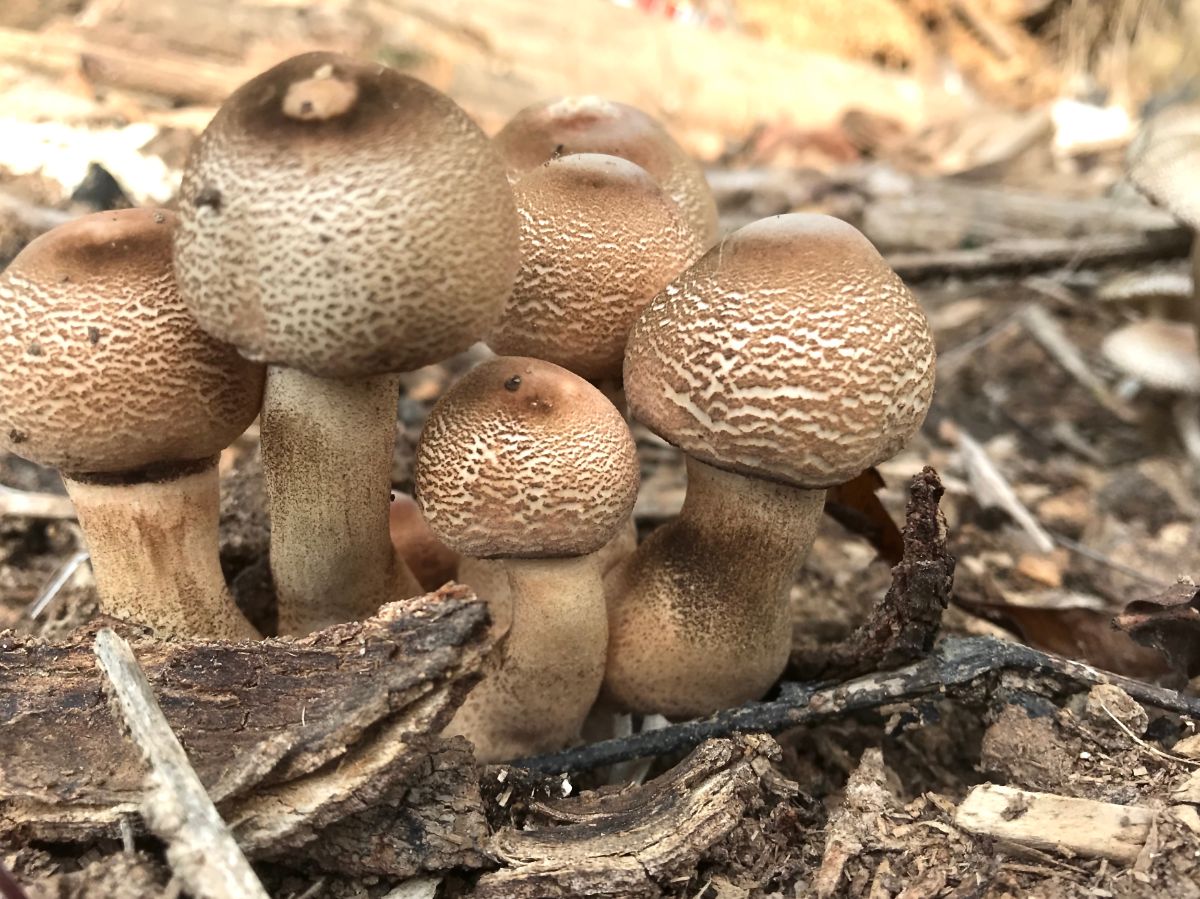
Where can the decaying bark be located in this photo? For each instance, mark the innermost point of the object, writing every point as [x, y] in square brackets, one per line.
[904, 624]
[635, 842]
[292, 739]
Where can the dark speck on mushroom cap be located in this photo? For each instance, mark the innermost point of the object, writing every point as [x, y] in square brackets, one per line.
[790, 351]
[599, 238]
[586, 124]
[521, 458]
[102, 367]
[346, 220]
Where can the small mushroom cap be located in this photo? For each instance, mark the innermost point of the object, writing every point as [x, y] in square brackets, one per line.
[346, 220]
[1160, 354]
[569, 125]
[102, 367]
[1164, 162]
[599, 239]
[790, 351]
[523, 459]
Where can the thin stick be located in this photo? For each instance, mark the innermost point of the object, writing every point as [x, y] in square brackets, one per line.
[200, 848]
[1024, 256]
[28, 504]
[956, 662]
[54, 586]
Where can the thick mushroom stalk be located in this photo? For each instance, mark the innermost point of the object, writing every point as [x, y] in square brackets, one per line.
[342, 223]
[327, 460]
[105, 375]
[173, 583]
[525, 463]
[681, 661]
[787, 360]
[570, 125]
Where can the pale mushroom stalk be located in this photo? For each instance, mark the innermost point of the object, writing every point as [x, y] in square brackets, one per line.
[552, 659]
[153, 546]
[761, 532]
[327, 459]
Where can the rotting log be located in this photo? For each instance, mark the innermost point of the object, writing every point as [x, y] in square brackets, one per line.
[292, 739]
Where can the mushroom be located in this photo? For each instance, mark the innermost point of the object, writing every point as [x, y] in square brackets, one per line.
[106, 376]
[570, 125]
[789, 359]
[343, 223]
[526, 462]
[1164, 161]
[1162, 356]
[599, 238]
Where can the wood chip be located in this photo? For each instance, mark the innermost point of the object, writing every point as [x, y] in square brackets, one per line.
[1057, 823]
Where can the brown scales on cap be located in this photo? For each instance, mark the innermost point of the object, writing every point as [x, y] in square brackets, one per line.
[103, 367]
[105, 375]
[523, 461]
[788, 359]
[346, 220]
[790, 351]
[599, 239]
[570, 125]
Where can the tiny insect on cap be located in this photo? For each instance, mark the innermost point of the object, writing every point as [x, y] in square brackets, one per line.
[522, 458]
[790, 351]
[102, 366]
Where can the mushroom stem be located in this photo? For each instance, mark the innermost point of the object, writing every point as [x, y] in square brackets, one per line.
[153, 546]
[327, 460]
[542, 681]
[698, 616]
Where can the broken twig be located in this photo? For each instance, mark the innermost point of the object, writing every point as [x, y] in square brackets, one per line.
[955, 663]
[200, 848]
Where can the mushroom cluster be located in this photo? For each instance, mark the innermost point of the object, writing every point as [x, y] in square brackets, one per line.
[341, 224]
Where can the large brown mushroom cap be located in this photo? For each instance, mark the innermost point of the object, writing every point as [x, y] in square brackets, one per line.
[790, 351]
[346, 220]
[569, 125]
[521, 458]
[1164, 162]
[102, 367]
[599, 238]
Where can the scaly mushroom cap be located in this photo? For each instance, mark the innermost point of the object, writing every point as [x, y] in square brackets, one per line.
[1160, 354]
[790, 351]
[571, 125]
[102, 367]
[346, 220]
[1164, 162]
[599, 239]
[522, 459]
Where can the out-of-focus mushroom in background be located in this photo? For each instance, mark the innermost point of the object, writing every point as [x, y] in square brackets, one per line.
[588, 124]
[524, 462]
[105, 375]
[789, 359]
[342, 223]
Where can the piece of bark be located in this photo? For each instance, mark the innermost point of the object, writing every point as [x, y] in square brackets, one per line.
[200, 848]
[904, 624]
[117, 876]
[636, 841]
[1169, 623]
[1055, 823]
[288, 737]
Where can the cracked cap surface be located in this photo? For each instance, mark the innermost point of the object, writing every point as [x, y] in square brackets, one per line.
[599, 239]
[102, 367]
[346, 220]
[790, 351]
[522, 458]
